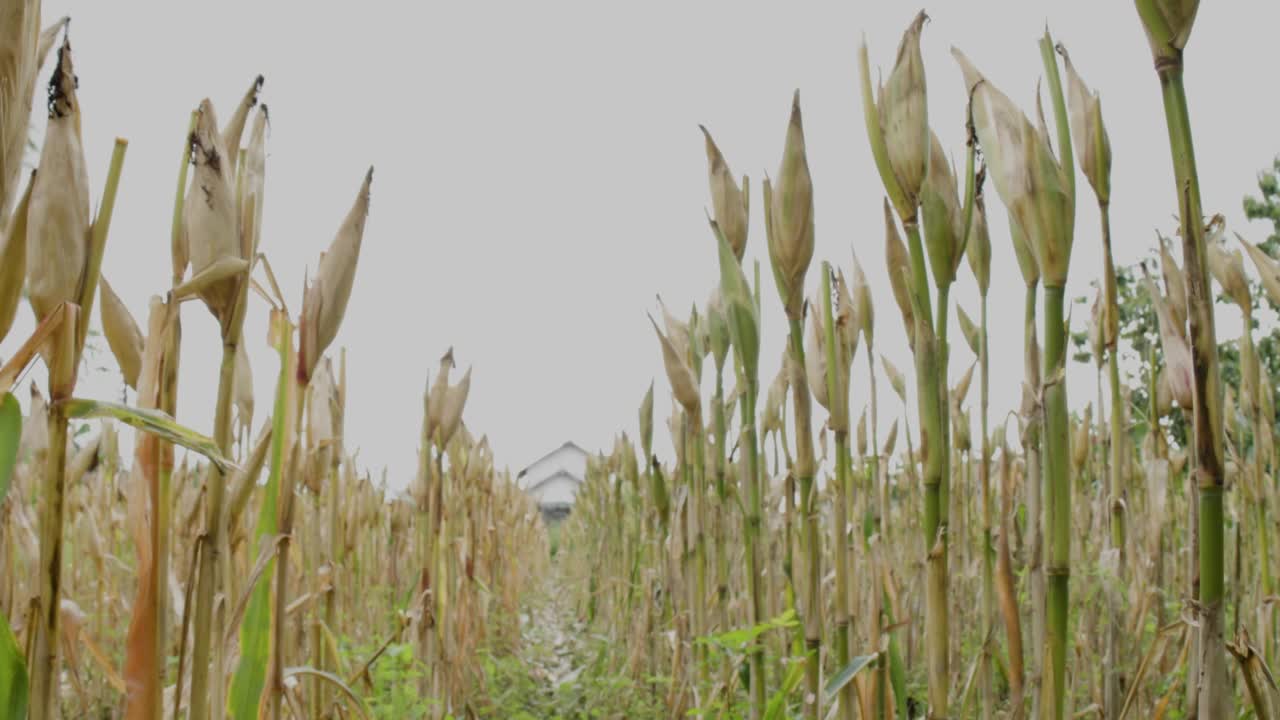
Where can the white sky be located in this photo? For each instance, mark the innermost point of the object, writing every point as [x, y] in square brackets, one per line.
[540, 176]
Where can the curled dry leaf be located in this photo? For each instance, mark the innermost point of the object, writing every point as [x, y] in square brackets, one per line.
[324, 301]
[123, 336]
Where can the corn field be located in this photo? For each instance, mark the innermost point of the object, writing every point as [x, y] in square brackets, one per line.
[806, 551]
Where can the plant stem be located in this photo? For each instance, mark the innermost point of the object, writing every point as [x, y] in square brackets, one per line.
[751, 528]
[1115, 465]
[44, 666]
[805, 470]
[1058, 482]
[837, 402]
[930, 389]
[988, 549]
[1035, 504]
[1215, 695]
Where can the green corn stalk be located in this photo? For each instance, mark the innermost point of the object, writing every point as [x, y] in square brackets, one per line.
[1168, 27]
[744, 333]
[838, 400]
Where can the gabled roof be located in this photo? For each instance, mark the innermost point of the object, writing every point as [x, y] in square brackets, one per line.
[568, 445]
[559, 474]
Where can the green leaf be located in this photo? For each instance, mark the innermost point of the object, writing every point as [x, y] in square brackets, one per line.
[13, 672]
[155, 422]
[846, 673]
[10, 433]
[778, 703]
[255, 631]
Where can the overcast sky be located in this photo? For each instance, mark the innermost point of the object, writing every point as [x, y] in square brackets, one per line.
[540, 177]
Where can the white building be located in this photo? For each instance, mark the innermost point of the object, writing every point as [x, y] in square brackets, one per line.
[553, 479]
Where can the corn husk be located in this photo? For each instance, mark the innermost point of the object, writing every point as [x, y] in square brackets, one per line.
[891, 440]
[58, 217]
[1227, 266]
[1168, 24]
[435, 399]
[896, 380]
[325, 299]
[123, 336]
[771, 418]
[13, 263]
[1175, 286]
[1097, 328]
[1027, 177]
[717, 336]
[815, 357]
[1177, 350]
[23, 48]
[254, 182]
[903, 109]
[678, 332]
[234, 129]
[679, 374]
[1268, 268]
[943, 219]
[727, 200]
[646, 421]
[323, 406]
[863, 309]
[455, 399]
[978, 249]
[1088, 133]
[209, 215]
[970, 330]
[789, 216]
[848, 323]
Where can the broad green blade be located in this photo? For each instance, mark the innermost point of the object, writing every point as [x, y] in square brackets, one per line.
[255, 631]
[152, 421]
[13, 674]
[842, 678]
[10, 433]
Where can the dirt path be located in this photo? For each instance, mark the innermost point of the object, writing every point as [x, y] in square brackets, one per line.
[552, 635]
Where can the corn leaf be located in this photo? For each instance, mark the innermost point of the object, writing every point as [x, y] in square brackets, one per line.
[846, 673]
[10, 433]
[255, 631]
[13, 673]
[156, 422]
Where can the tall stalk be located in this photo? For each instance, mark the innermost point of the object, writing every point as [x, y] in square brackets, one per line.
[1117, 445]
[837, 401]
[812, 543]
[752, 521]
[205, 692]
[1031, 437]
[930, 365]
[67, 345]
[1168, 35]
[1058, 496]
[44, 676]
[988, 548]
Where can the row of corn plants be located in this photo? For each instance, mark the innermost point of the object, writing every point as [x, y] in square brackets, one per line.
[235, 570]
[788, 561]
